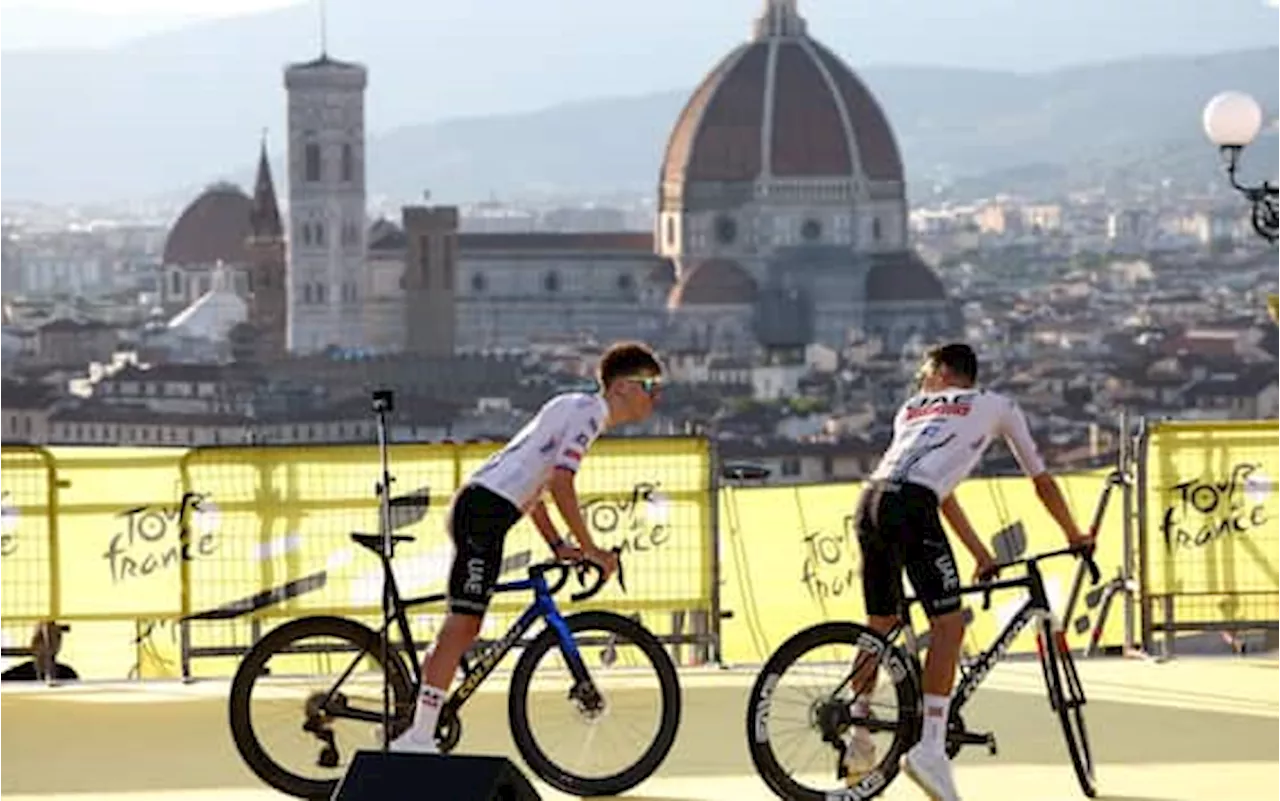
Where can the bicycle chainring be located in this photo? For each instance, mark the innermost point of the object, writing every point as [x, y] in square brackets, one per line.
[448, 731]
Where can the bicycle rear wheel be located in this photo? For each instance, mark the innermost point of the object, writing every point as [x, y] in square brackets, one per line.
[631, 677]
[814, 668]
[299, 710]
[1066, 697]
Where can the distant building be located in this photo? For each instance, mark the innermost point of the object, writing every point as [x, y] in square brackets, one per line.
[327, 224]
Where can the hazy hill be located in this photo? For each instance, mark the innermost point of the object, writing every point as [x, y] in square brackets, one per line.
[454, 85]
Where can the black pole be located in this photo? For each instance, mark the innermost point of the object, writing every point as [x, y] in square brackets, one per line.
[383, 402]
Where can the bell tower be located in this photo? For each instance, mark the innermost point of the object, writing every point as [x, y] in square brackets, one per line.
[268, 266]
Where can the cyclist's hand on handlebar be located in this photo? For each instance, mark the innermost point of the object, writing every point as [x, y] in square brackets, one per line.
[565, 551]
[1081, 541]
[606, 560]
[985, 570]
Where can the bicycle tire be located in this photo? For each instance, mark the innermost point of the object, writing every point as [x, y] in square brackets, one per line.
[907, 690]
[251, 751]
[1066, 698]
[518, 697]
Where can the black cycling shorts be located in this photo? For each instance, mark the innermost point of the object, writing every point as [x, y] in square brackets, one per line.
[479, 520]
[899, 528]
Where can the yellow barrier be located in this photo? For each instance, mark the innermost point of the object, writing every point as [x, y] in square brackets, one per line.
[150, 536]
[1212, 527]
[28, 540]
[122, 542]
[790, 558]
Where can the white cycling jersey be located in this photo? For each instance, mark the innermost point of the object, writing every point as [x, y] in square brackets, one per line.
[557, 436]
[938, 438]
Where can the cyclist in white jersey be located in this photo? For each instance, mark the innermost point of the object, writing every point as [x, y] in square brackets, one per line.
[939, 435]
[544, 456]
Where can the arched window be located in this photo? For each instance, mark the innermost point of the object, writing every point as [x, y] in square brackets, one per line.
[311, 155]
[348, 163]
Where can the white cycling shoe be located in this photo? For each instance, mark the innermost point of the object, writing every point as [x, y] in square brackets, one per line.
[415, 742]
[859, 756]
[931, 770]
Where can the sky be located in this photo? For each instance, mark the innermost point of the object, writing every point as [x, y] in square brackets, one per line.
[102, 23]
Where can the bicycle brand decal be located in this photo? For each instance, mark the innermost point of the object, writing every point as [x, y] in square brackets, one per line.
[1199, 511]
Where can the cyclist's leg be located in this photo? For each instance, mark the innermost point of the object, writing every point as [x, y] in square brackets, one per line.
[882, 598]
[931, 565]
[881, 580]
[478, 523]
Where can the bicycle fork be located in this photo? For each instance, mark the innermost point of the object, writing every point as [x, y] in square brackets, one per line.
[583, 693]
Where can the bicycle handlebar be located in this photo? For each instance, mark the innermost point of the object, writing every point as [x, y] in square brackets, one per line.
[581, 568]
[1083, 552]
[585, 566]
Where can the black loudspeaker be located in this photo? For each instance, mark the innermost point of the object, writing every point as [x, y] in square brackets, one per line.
[389, 776]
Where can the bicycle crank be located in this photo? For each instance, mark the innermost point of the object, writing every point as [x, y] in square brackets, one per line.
[448, 731]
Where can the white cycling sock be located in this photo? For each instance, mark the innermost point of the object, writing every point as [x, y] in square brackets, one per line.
[427, 715]
[936, 709]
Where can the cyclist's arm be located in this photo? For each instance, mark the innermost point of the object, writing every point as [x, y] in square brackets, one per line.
[1018, 435]
[565, 496]
[959, 522]
[580, 430]
[542, 521]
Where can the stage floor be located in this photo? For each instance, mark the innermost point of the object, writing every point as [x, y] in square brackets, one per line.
[1192, 728]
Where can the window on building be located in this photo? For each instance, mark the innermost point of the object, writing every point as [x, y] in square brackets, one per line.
[875, 229]
[790, 466]
[424, 260]
[306, 293]
[312, 157]
[478, 282]
[348, 162]
[319, 234]
[175, 283]
[551, 282]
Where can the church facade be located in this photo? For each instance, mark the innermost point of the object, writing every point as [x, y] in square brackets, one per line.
[781, 220]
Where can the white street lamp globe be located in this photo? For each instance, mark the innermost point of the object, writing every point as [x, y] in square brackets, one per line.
[1232, 119]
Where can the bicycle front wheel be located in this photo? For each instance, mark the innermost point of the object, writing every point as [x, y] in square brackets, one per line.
[617, 727]
[1066, 697]
[307, 696]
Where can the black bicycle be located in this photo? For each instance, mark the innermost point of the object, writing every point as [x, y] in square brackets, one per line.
[269, 678]
[895, 716]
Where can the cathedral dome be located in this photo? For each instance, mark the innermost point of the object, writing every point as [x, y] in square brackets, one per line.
[782, 106]
[903, 277]
[215, 227]
[715, 282]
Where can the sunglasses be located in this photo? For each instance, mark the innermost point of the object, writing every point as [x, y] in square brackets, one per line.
[650, 384]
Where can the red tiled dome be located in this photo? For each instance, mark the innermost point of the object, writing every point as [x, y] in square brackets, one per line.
[213, 228]
[715, 282]
[902, 277]
[782, 105]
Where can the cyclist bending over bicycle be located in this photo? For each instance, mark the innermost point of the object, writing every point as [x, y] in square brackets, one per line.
[542, 456]
[938, 436]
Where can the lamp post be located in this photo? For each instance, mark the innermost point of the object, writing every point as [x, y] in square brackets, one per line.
[1232, 120]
